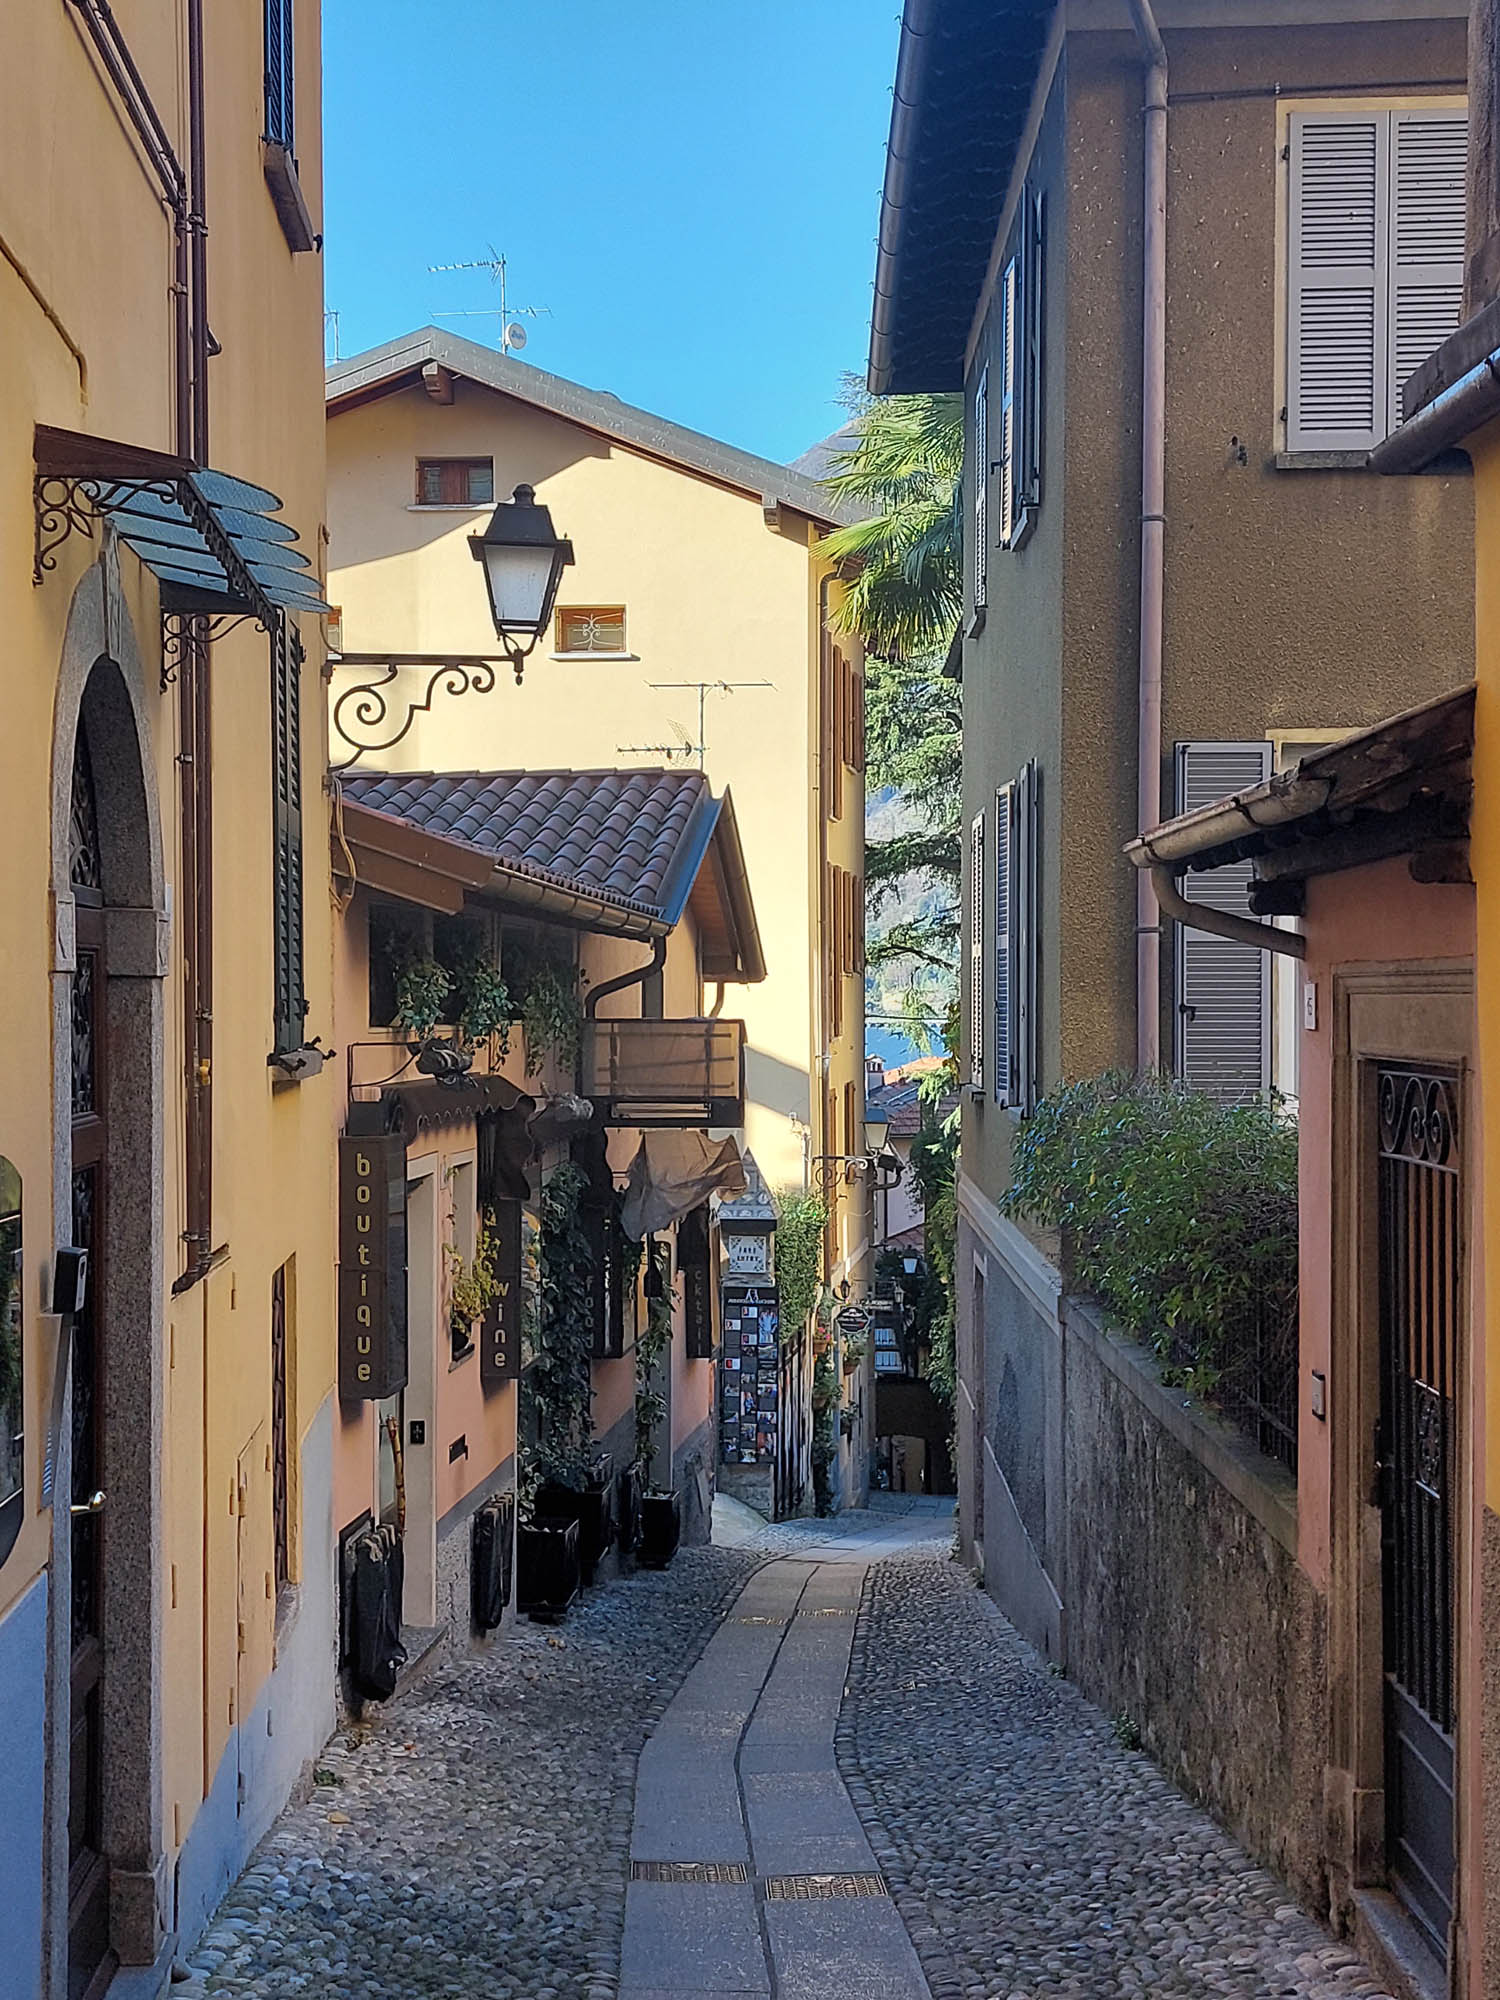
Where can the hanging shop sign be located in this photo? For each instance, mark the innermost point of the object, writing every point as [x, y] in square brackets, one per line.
[748, 1398]
[694, 1262]
[372, 1266]
[500, 1329]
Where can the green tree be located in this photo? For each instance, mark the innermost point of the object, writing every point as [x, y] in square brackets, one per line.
[904, 562]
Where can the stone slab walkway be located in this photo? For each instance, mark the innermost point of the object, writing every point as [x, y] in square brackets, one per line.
[740, 1783]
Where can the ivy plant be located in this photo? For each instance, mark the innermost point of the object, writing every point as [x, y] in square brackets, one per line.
[551, 1013]
[422, 989]
[800, 1222]
[557, 1388]
[650, 1349]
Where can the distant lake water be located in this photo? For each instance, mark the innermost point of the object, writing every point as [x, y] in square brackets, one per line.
[892, 1049]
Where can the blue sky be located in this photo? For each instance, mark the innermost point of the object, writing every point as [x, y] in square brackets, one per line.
[692, 186]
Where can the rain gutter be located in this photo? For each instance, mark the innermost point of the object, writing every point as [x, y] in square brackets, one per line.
[1452, 415]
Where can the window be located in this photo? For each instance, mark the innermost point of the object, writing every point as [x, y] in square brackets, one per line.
[591, 628]
[280, 1455]
[455, 482]
[1378, 201]
[1018, 823]
[286, 758]
[1223, 989]
[280, 125]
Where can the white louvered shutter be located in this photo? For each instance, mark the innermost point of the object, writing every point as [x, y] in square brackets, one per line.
[1223, 988]
[1338, 294]
[1429, 152]
[981, 488]
[1005, 1041]
[1026, 868]
[976, 952]
[1007, 467]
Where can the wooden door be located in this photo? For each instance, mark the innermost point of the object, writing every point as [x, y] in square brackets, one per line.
[90, 1961]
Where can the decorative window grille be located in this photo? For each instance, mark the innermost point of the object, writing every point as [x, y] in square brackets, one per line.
[976, 953]
[286, 757]
[280, 80]
[981, 488]
[455, 482]
[1378, 208]
[280, 1460]
[591, 629]
[1018, 940]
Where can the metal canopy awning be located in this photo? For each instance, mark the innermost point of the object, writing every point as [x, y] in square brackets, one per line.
[209, 538]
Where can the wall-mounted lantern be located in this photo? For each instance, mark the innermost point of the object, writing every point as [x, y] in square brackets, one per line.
[523, 564]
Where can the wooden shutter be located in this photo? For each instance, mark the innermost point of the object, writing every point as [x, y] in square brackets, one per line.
[1338, 292]
[835, 735]
[279, 77]
[976, 952]
[1031, 357]
[1026, 836]
[1223, 988]
[1005, 465]
[286, 757]
[1429, 156]
[981, 488]
[1005, 1041]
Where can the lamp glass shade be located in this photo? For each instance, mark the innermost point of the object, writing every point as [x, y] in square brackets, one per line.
[909, 1265]
[524, 559]
[876, 1130]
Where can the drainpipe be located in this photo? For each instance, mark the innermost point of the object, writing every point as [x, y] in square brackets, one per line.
[1220, 923]
[636, 977]
[1148, 910]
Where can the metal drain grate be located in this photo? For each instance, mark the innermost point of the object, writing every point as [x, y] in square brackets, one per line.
[689, 1871]
[757, 1618]
[831, 1611]
[822, 1888]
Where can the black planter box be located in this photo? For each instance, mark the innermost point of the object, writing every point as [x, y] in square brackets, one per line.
[661, 1529]
[546, 1569]
[593, 1511]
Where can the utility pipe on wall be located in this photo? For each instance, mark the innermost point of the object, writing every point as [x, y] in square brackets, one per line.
[1148, 913]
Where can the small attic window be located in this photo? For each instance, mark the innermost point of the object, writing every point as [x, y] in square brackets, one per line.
[591, 629]
[455, 482]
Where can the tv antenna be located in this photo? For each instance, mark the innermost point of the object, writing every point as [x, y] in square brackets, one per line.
[687, 747]
[512, 333]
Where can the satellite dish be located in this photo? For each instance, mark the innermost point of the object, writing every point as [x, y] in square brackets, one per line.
[515, 336]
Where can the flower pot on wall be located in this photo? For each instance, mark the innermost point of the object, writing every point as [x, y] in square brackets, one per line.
[546, 1568]
[661, 1528]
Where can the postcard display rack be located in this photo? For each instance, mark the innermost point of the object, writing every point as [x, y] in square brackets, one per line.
[748, 1393]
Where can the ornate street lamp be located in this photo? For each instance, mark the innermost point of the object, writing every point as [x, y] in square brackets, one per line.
[523, 564]
[523, 558]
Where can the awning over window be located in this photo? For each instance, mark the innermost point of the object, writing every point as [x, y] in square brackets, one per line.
[674, 1172]
[210, 539]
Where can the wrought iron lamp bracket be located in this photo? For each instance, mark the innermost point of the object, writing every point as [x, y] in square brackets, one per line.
[367, 708]
[832, 1170]
[180, 628]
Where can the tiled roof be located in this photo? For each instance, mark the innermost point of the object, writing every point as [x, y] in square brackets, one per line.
[965, 72]
[901, 1103]
[399, 362]
[617, 834]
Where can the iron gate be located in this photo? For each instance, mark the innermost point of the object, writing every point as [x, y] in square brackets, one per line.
[1420, 1301]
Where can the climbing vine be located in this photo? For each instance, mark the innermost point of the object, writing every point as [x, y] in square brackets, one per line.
[800, 1222]
[552, 1017]
[650, 1348]
[557, 1389]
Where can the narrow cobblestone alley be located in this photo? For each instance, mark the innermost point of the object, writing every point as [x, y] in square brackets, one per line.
[529, 1824]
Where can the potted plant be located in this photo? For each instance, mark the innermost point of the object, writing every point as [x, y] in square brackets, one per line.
[661, 1508]
[547, 1571]
[590, 1504]
[472, 1290]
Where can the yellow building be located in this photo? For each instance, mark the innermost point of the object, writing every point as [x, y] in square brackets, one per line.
[164, 1648]
[692, 626]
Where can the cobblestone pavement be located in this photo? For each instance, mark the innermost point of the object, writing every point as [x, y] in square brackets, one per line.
[1029, 1853]
[476, 1843]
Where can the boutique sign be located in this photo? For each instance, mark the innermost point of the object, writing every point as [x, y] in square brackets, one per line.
[372, 1266]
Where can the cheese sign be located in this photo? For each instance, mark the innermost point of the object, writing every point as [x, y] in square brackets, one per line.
[500, 1330]
[372, 1266]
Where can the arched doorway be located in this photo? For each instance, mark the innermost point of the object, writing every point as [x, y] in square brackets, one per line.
[106, 1876]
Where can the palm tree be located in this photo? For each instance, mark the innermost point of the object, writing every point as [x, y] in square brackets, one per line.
[906, 558]
[904, 565]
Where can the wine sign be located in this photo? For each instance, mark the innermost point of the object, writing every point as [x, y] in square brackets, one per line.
[500, 1329]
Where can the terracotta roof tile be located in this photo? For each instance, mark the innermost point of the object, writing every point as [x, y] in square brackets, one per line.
[613, 833]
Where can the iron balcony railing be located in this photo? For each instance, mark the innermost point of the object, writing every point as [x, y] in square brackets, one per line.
[654, 1073]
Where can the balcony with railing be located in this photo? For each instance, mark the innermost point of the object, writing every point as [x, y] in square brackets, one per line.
[666, 1073]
